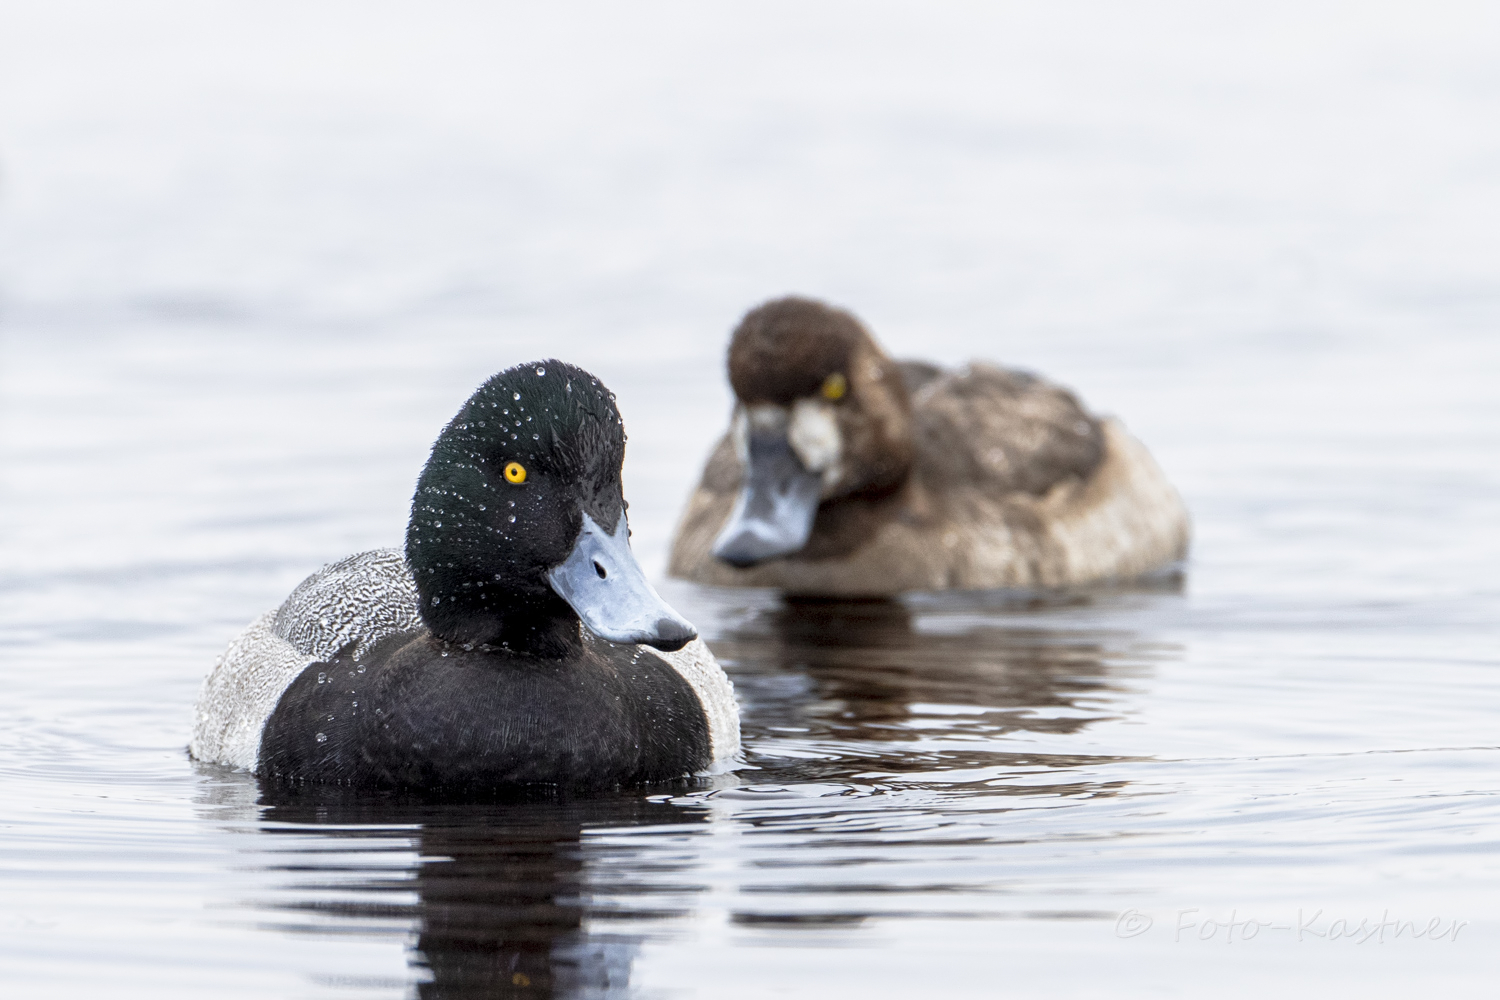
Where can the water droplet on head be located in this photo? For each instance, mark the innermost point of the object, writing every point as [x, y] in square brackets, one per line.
[541, 371]
[536, 437]
[322, 677]
[437, 524]
[436, 601]
[515, 395]
[322, 737]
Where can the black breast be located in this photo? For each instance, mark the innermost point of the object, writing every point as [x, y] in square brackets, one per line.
[417, 713]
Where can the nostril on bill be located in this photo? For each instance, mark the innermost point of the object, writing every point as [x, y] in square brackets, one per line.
[599, 568]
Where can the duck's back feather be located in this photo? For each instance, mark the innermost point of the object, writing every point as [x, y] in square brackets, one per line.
[1002, 431]
[352, 604]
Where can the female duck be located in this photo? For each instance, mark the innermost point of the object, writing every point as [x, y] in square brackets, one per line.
[463, 666]
[848, 474]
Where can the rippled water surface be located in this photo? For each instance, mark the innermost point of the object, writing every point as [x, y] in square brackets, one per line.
[253, 259]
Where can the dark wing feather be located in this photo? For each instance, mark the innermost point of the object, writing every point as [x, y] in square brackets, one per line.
[1006, 431]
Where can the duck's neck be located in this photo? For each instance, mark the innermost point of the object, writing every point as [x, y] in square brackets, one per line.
[463, 612]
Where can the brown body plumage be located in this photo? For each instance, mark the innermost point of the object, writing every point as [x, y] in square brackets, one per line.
[976, 478]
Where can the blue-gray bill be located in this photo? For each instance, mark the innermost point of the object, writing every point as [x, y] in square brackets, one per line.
[604, 585]
[778, 501]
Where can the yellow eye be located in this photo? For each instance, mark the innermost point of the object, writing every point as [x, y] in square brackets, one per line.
[515, 472]
[835, 385]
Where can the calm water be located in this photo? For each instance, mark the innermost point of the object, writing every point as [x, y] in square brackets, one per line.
[252, 260]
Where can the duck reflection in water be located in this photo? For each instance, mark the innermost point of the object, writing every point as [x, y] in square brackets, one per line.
[506, 892]
[970, 667]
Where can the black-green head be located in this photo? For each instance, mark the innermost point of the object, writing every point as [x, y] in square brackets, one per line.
[518, 525]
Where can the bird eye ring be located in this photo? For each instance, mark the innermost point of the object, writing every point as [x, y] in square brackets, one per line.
[515, 472]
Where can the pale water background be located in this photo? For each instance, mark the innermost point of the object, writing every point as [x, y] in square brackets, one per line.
[252, 258]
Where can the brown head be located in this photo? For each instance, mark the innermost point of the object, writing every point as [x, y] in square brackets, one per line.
[822, 413]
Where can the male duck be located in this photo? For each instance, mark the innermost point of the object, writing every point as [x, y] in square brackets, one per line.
[462, 665]
[847, 474]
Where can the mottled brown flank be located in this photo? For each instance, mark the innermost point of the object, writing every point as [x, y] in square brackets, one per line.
[977, 478]
[999, 431]
[1004, 431]
[783, 350]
